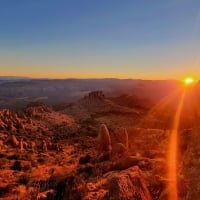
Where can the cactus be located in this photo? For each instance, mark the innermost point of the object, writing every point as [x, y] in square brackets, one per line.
[119, 149]
[104, 138]
[126, 138]
[123, 137]
[104, 143]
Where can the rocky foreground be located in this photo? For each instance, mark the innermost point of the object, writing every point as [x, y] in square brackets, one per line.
[46, 154]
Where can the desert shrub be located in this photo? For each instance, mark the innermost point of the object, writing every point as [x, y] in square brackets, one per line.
[86, 171]
[2, 155]
[104, 140]
[33, 163]
[85, 159]
[3, 161]
[27, 167]
[41, 160]
[24, 179]
[17, 166]
[71, 187]
[13, 157]
[27, 157]
[4, 190]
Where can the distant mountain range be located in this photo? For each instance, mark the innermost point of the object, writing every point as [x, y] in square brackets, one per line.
[18, 91]
[13, 77]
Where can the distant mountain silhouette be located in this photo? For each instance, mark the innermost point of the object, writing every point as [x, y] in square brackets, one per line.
[16, 92]
[13, 77]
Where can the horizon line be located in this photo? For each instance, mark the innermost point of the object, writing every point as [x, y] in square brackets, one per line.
[89, 78]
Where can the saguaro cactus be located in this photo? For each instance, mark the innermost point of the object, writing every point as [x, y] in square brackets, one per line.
[123, 137]
[126, 139]
[104, 141]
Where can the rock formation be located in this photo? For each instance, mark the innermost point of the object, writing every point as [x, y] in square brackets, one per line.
[32, 145]
[44, 145]
[21, 146]
[123, 185]
[95, 95]
[12, 140]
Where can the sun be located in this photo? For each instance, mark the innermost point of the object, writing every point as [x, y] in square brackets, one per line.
[189, 81]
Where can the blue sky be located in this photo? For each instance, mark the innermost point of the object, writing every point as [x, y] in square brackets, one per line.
[100, 38]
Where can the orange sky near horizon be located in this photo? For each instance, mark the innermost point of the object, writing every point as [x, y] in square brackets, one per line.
[38, 72]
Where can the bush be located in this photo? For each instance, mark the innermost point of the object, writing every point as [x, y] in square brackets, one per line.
[71, 187]
[27, 167]
[2, 162]
[13, 157]
[41, 160]
[24, 179]
[17, 166]
[2, 155]
[4, 190]
[84, 159]
[27, 157]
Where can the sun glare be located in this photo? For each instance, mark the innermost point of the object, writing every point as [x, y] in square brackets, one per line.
[188, 80]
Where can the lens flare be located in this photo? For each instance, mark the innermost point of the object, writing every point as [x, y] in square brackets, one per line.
[173, 153]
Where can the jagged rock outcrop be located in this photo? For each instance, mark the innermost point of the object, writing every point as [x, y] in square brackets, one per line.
[96, 104]
[123, 185]
[95, 95]
[12, 140]
[9, 121]
[34, 109]
[21, 146]
[96, 100]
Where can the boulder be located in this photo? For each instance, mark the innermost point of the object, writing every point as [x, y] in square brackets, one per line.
[124, 185]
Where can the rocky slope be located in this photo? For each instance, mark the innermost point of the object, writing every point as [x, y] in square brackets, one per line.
[46, 154]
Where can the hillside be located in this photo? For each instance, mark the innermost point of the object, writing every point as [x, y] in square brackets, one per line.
[53, 152]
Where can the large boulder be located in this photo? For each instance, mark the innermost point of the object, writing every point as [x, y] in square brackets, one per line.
[123, 185]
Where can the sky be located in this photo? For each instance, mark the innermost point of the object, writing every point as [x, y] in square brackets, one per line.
[158, 39]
